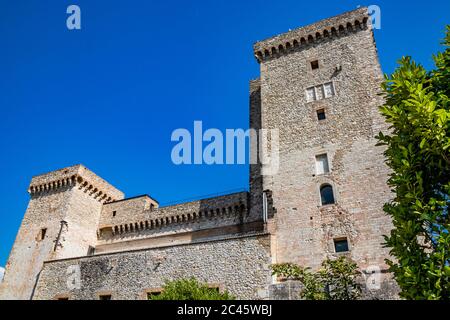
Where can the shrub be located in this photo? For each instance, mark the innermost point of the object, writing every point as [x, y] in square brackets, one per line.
[190, 289]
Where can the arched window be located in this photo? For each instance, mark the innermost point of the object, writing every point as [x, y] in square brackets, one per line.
[326, 194]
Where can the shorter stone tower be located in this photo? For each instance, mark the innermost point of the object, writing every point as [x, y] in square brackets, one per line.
[60, 222]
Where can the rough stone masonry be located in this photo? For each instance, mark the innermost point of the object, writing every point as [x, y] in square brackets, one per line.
[319, 84]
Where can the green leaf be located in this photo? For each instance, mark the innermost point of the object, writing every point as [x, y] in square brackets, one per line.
[422, 143]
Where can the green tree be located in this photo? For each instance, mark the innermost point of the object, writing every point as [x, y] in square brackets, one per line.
[336, 280]
[189, 289]
[417, 151]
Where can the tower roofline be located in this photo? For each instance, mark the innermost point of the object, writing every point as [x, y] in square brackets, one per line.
[75, 175]
[301, 37]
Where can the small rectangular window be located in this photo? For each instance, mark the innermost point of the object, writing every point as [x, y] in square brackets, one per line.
[328, 89]
[321, 114]
[322, 164]
[341, 245]
[104, 297]
[114, 213]
[311, 94]
[314, 64]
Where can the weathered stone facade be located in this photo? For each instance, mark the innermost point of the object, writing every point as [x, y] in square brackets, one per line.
[131, 274]
[127, 247]
[60, 222]
[304, 229]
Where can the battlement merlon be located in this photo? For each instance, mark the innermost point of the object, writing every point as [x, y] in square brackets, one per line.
[336, 26]
[77, 175]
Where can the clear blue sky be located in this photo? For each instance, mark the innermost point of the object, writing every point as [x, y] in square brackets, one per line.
[109, 95]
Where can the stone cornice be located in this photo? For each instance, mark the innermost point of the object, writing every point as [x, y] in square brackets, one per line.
[75, 176]
[338, 26]
[161, 222]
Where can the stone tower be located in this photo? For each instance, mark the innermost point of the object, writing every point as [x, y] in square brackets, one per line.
[60, 222]
[318, 87]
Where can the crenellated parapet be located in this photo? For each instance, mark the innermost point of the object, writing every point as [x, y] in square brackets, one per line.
[328, 29]
[76, 176]
[131, 216]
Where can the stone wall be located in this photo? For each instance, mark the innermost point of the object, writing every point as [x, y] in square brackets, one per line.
[127, 210]
[131, 213]
[30, 250]
[292, 289]
[239, 265]
[130, 224]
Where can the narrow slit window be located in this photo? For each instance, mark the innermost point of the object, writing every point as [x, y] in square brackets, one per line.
[91, 251]
[114, 213]
[43, 234]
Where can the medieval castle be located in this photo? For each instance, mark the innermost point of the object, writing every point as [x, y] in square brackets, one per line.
[81, 238]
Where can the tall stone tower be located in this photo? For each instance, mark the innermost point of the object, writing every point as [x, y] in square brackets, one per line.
[60, 222]
[318, 87]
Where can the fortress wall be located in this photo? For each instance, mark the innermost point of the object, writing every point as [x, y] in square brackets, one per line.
[239, 265]
[132, 219]
[126, 211]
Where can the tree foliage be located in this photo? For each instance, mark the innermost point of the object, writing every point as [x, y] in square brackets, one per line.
[417, 109]
[190, 289]
[336, 280]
